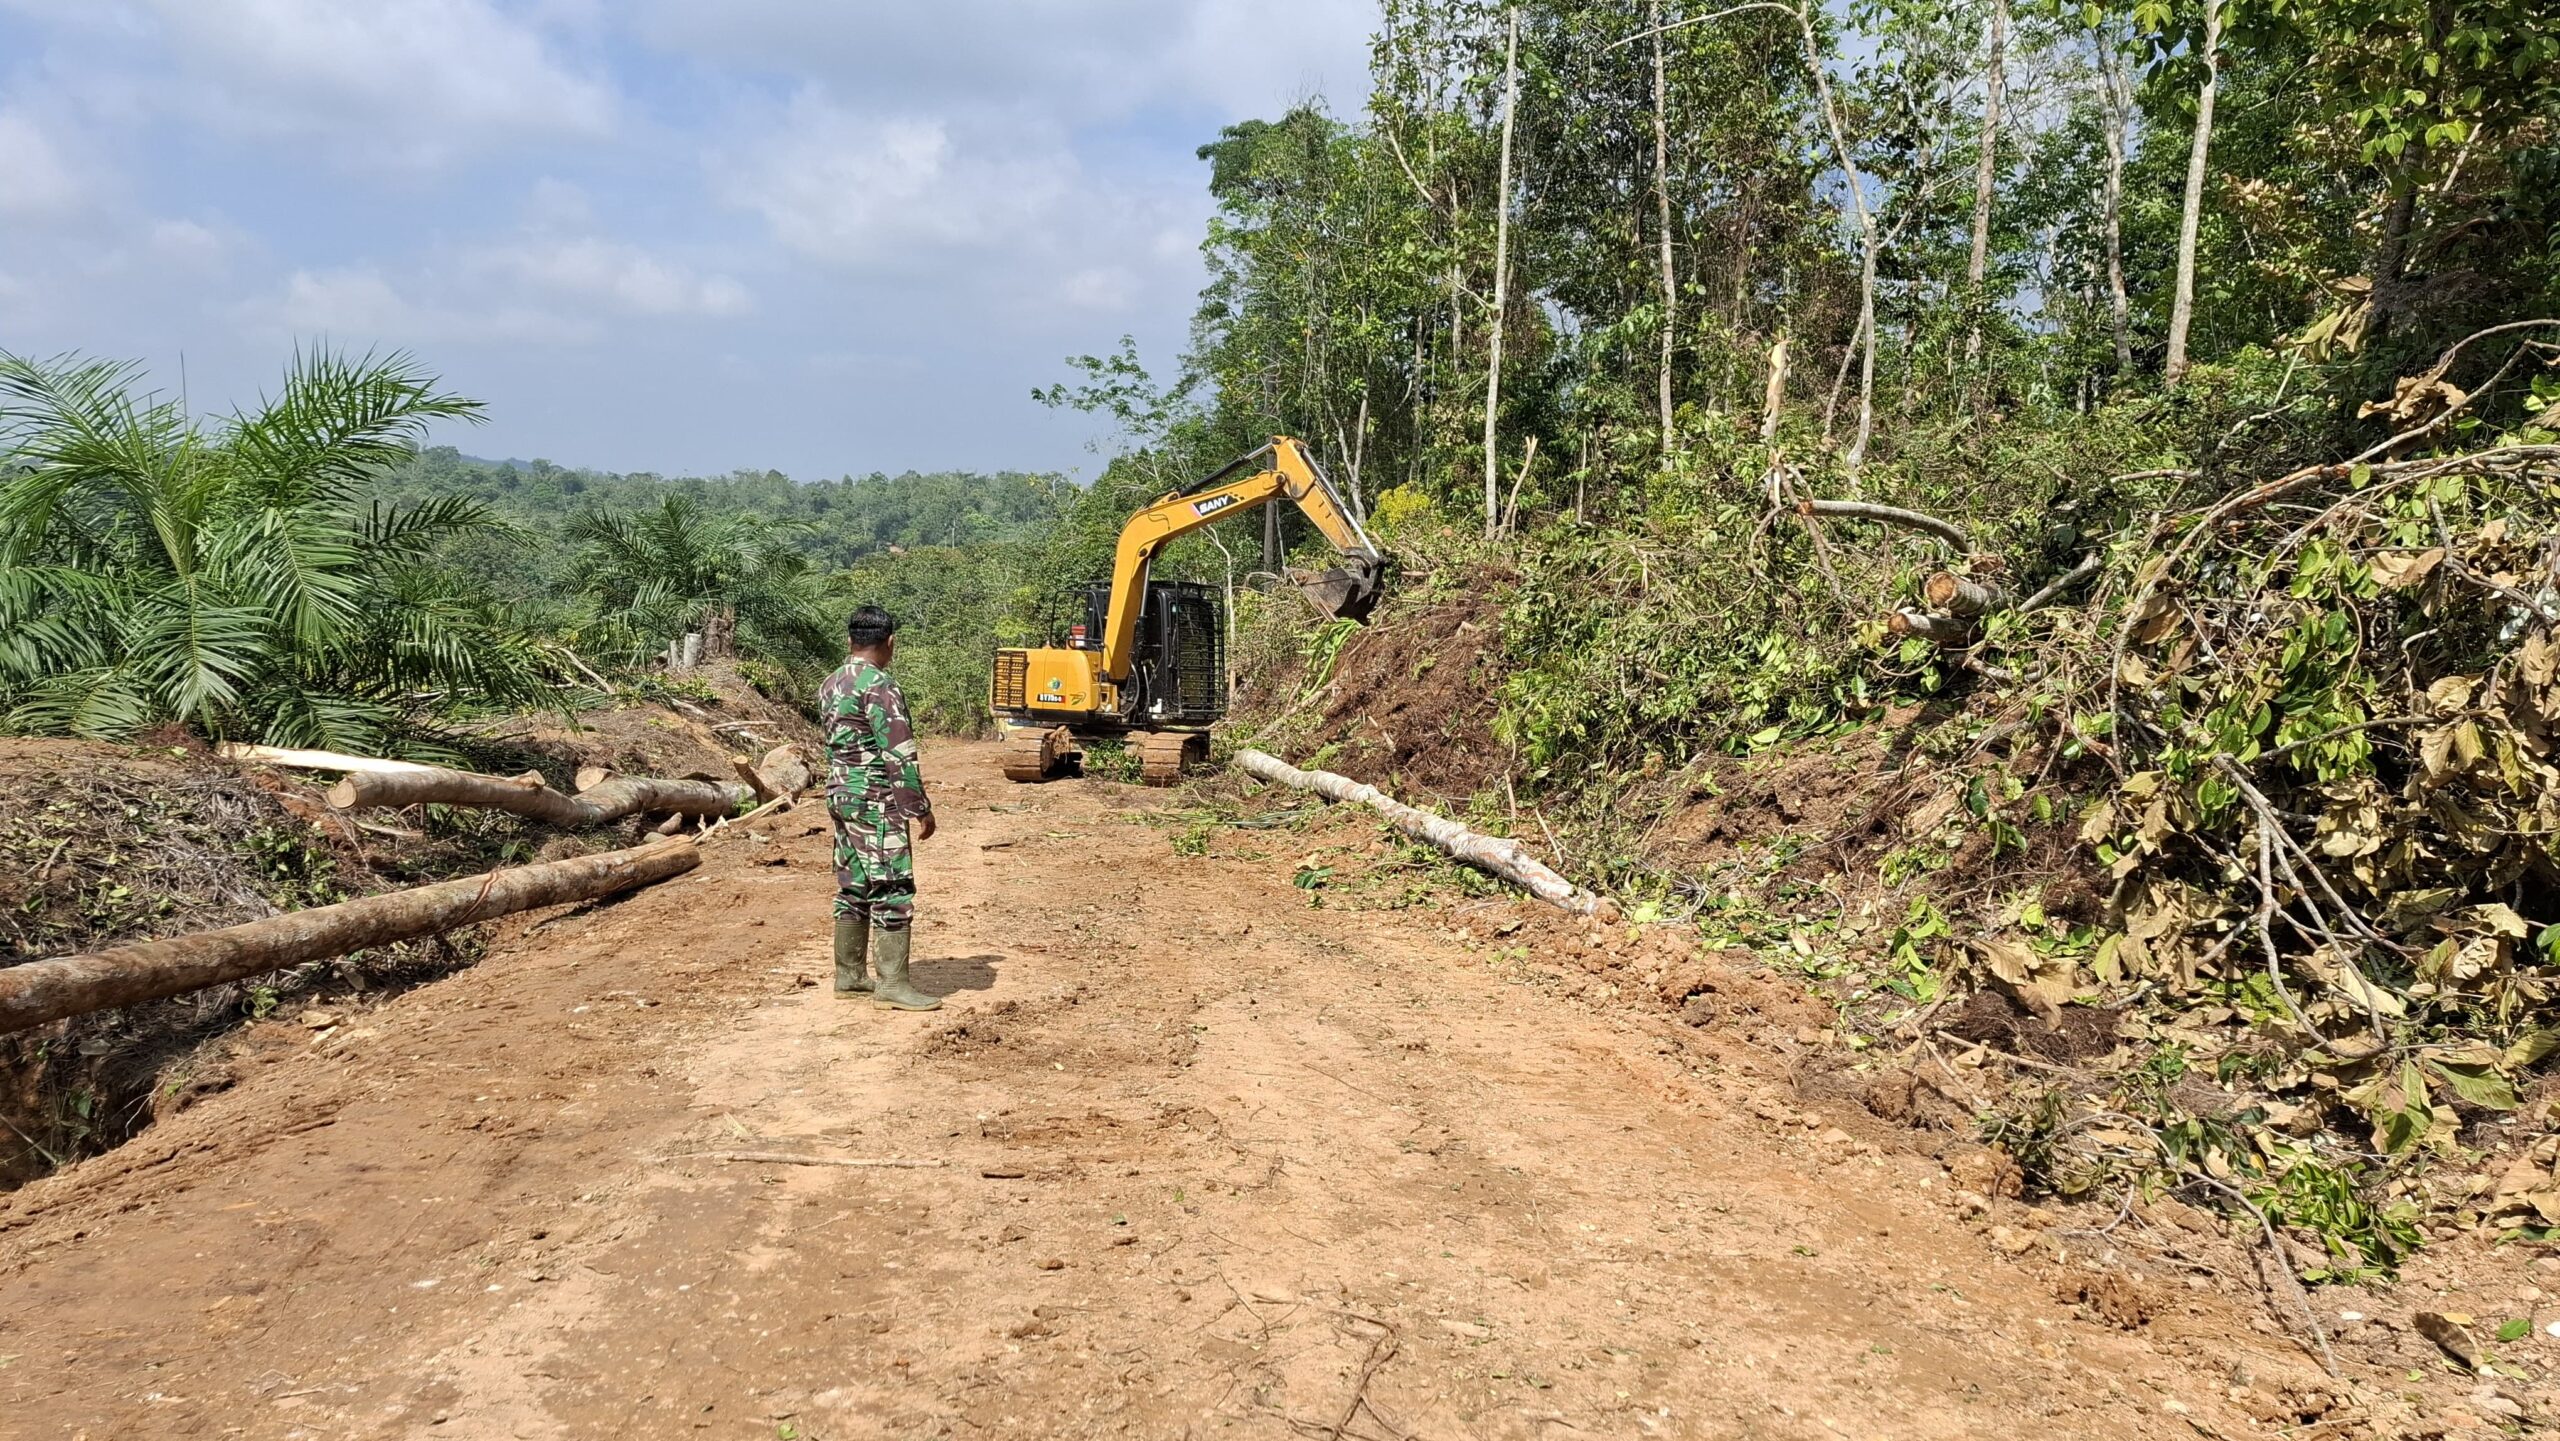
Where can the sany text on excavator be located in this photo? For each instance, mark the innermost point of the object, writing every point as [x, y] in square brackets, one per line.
[1149, 661]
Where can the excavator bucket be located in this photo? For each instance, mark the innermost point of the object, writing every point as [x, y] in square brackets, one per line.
[1346, 592]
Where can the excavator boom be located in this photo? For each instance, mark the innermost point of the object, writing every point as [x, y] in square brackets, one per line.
[1293, 476]
[1169, 681]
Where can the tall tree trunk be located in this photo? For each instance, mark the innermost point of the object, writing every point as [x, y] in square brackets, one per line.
[2117, 105]
[1662, 213]
[1986, 177]
[1867, 245]
[1857, 453]
[2182, 302]
[1501, 279]
[2391, 256]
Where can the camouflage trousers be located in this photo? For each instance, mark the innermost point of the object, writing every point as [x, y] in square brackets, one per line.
[875, 870]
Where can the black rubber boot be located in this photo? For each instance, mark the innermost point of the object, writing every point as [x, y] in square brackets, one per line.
[853, 937]
[892, 989]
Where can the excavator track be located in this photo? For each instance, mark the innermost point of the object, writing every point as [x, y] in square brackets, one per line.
[1165, 755]
[1031, 756]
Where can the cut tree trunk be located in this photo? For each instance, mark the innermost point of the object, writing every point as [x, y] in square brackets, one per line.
[746, 770]
[1946, 630]
[786, 768]
[1962, 595]
[41, 991]
[608, 801]
[1493, 855]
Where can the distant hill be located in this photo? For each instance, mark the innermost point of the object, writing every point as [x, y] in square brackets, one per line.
[844, 519]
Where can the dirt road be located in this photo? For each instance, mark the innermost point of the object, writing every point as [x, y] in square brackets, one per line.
[1219, 1163]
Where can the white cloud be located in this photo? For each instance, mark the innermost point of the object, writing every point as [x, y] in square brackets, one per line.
[187, 244]
[557, 204]
[405, 83]
[623, 277]
[360, 306]
[537, 288]
[1076, 60]
[900, 211]
[1106, 288]
[36, 181]
[857, 189]
[993, 212]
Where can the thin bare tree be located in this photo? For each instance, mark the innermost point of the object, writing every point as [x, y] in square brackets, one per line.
[1986, 177]
[2115, 107]
[1662, 211]
[2182, 301]
[1501, 280]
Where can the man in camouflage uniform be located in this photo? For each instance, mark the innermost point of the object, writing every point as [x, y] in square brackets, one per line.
[874, 790]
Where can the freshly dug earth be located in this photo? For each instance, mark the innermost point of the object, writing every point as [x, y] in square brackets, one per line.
[1412, 702]
[1219, 1159]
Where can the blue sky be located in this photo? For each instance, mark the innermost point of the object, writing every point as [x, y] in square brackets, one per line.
[827, 236]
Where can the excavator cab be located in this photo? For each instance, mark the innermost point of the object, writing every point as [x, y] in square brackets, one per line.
[1180, 670]
[1149, 660]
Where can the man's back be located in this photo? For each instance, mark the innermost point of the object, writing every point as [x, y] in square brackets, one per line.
[871, 748]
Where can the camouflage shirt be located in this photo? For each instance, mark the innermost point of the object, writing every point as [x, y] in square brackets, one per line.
[871, 750]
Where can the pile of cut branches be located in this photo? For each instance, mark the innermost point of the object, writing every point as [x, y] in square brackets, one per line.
[2328, 711]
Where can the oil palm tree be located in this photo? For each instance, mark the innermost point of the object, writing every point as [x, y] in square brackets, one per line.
[654, 574]
[229, 576]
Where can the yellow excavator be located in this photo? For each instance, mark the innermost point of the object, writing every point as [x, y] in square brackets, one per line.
[1148, 661]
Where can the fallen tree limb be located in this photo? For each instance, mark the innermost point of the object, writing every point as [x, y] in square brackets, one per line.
[1490, 854]
[302, 760]
[607, 801]
[1946, 531]
[790, 1158]
[41, 991]
[2054, 589]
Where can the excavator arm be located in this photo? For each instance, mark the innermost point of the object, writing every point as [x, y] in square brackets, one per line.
[1290, 475]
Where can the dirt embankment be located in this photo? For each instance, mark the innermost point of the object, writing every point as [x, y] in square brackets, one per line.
[101, 844]
[1406, 703]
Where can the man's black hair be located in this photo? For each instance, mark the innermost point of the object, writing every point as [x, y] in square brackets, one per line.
[868, 627]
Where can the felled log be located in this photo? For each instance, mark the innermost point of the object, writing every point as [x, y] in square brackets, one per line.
[607, 801]
[303, 760]
[1962, 595]
[1493, 855]
[1946, 531]
[41, 991]
[1946, 630]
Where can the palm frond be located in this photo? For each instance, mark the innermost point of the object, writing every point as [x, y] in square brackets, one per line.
[336, 422]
